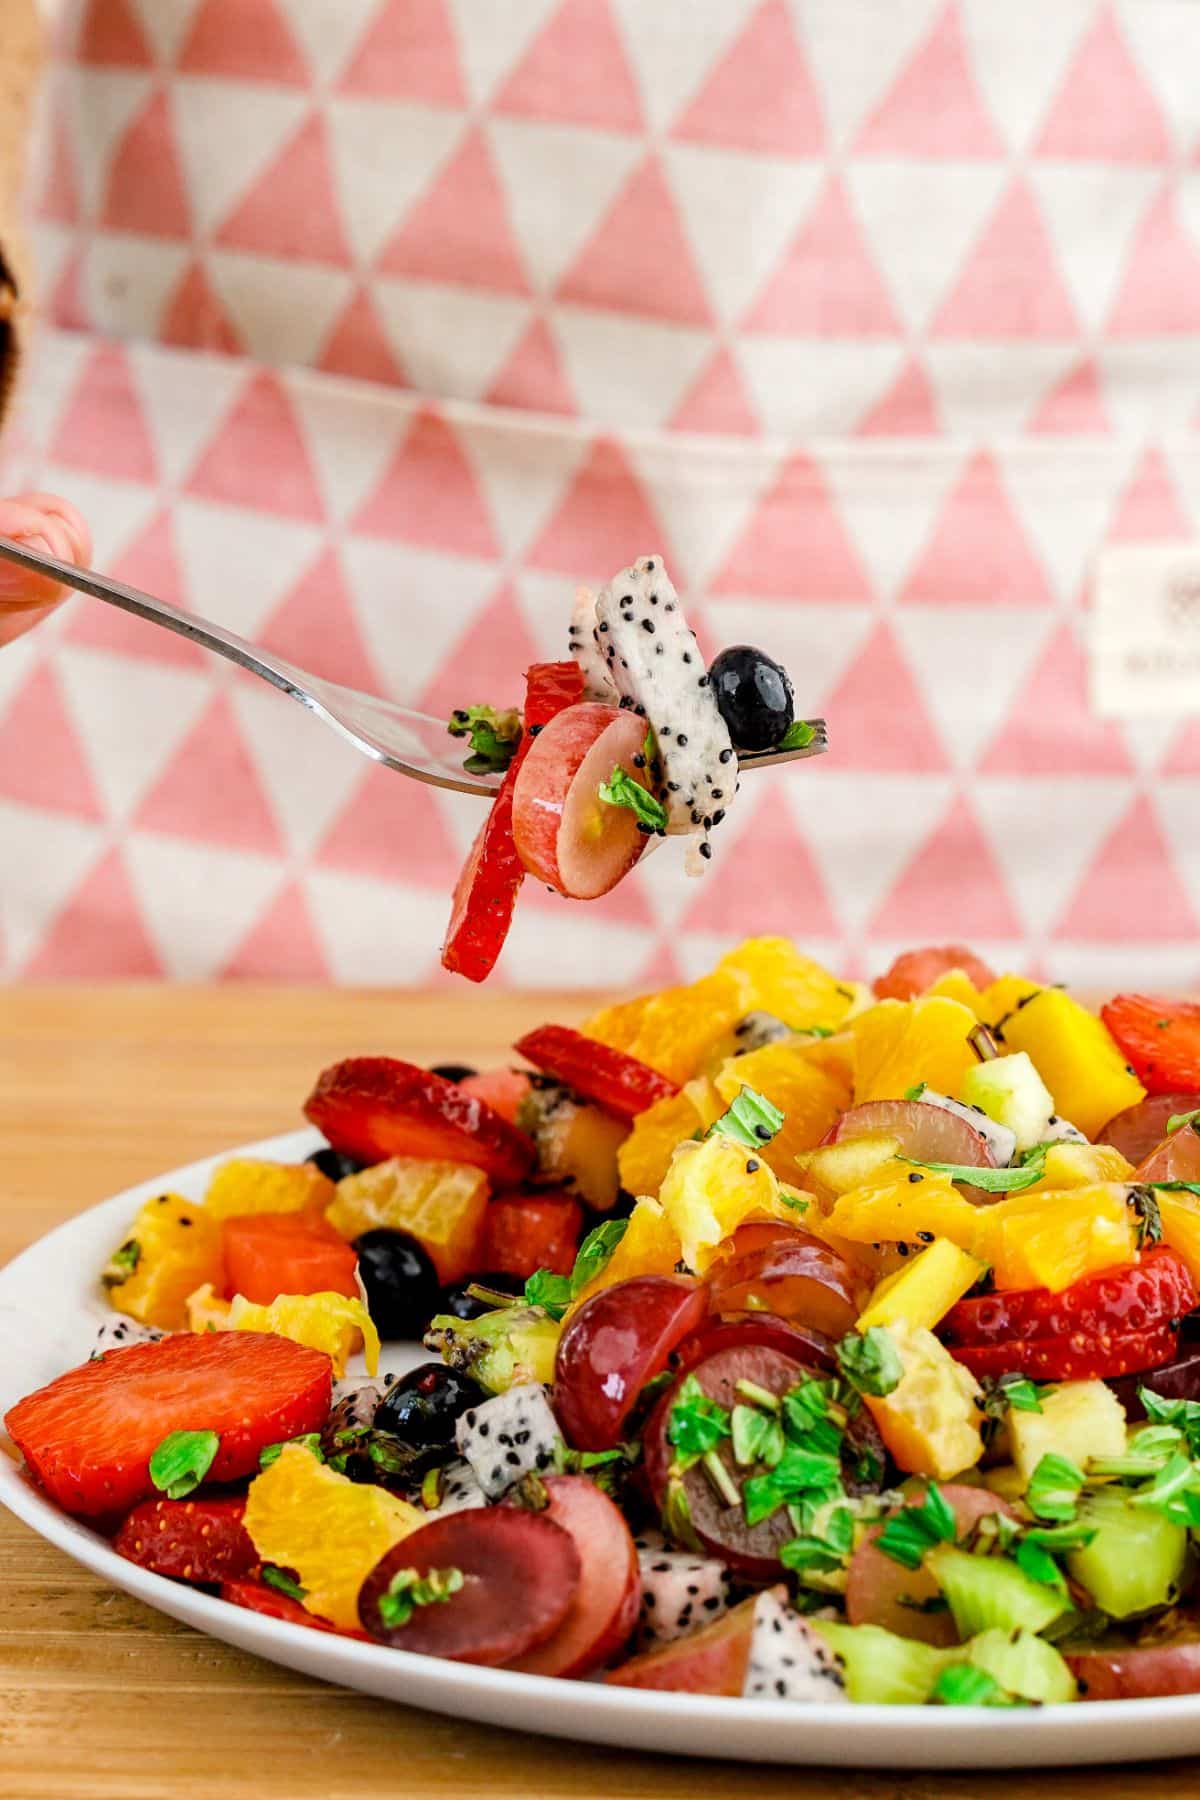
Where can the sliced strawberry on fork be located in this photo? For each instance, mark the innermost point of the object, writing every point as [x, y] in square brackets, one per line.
[486, 893]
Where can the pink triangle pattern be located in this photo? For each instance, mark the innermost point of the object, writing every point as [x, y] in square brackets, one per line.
[534, 376]
[1183, 758]
[146, 192]
[315, 626]
[952, 885]
[771, 861]
[194, 319]
[243, 40]
[1104, 110]
[391, 831]
[67, 304]
[101, 427]
[575, 73]
[1149, 510]
[282, 946]
[459, 230]
[909, 408]
[1131, 892]
[1011, 286]
[1160, 290]
[717, 402]
[490, 655]
[258, 457]
[292, 211]
[110, 37]
[150, 562]
[883, 725]
[1052, 729]
[358, 347]
[760, 96]
[638, 259]
[624, 905]
[210, 792]
[1073, 407]
[827, 284]
[59, 197]
[42, 762]
[99, 934]
[603, 513]
[408, 52]
[934, 108]
[795, 546]
[428, 495]
[977, 552]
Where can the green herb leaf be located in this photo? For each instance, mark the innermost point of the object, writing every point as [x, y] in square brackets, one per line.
[1177, 1121]
[817, 1031]
[1054, 1487]
[989, 1181]
[915, 1092]
[751, 1120]
[697, 1423]
[870, 1362]
[909, 1533]
[493, 736]
[1021, 1393]
[310, 1441]
[824, 1550]
[279, 1578]
[182, 1460]
[122, 1263]
[1178, 1474]
[1175, 1187]
[1034, 1560]
[757, 1437]
[622, 790]
[962, 1684]
[797, 1202]
[1184, 1415]
[549, 1291]
[1144, 1206]
[554, 1293]
[407, 1590]
[1058, 1537]
[799, 1475]
[798, 736]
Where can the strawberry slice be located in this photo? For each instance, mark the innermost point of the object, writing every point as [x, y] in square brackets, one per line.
[619, 1083]
[257, 1597]
[88, 1437]
[192, 1540]
[373, 1107]
[1066, 1359]
[486, 893]
[1160, 1039]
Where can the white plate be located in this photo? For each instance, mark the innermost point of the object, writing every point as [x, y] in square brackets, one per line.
[50, 1309]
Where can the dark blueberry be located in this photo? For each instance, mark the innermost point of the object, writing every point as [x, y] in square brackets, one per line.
[423, 1407]
[336, 1164]
[754, 695]
[453, 1071]
[401, 1282]
[464, 1305]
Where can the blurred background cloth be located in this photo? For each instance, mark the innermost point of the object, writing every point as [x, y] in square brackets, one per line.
[370, 327]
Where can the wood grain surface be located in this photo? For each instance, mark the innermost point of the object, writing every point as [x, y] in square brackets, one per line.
[102, 1698]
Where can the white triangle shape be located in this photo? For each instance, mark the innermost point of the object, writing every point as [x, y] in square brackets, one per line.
[990, 390]
[1018, 83]
[589, 167]
[131, 717]
[55, 362]
[52, 244]
[492, 39]
[272, 328]
[890, 498]
[272, 554]
[998, 644]
[16, 665]
[815, 643]
[115, 510]
[307, 775]
[128, 279]
[627, 372]
[46, 856]
[228, 132]
[452, 340]
[385, 153]
[1177, 800]
[351, 430]
[862, 828]
[166, 22]
[815, 387]
[559, 950]
[524, 473]
[103, 103]
[183, 395]
[1148, 741]
[1150, 384]
[740, 213]
[198, 902]
[671, 51]
[1097, 971]
[1065, 516]
[412, 605]
[704, 502]
[545, 603]
[374, 933]
[461, 817]
[1164, 41]
[1182, 457]
[956, 200]
[1045, 831]
[328, 32]
[854, 61]
[1092, 211]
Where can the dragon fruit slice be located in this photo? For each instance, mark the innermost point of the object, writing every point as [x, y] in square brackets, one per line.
[508, 1437]
[354, 1404]
[460, 1490]
[1003, 1142]
[788, 1661]
[117, 1334]
[584, 643]
[680, 1592]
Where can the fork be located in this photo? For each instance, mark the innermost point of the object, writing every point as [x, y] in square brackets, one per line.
[410, 742]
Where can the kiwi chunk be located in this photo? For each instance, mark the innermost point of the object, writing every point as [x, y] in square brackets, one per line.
[1024, 1665]
[1135, 1561]
[882, 1669]
[988, 1593]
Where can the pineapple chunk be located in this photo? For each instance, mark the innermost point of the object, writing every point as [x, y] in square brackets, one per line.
[1076, 1058]
[1081, 1165]
[650, 1246]
[929, 1421]
[1078, 1419]
[1005, 1481]
[1004, 995]
[1051, 1240]
[925, 1289]
[835, 1169]
[713, 1187]
[172, 1247]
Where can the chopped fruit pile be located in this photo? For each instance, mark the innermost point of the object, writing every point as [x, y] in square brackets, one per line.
[789, 1341]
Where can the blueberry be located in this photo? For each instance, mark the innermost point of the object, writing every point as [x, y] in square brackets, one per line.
[452, 1071]
[464, 1305]
[755, 696]
[335, 1163]
[401, 1282]
[423, 1406]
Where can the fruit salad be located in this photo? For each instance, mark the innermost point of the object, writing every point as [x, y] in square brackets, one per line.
[784, 1340]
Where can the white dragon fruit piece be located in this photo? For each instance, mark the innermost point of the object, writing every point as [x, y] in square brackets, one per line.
[680, 1592]
[1002, 1140]
[584, 644]
[788, 1660]
[657, 667]
[460, 1490]
[1061, 1131]
[118, 1334]
[508, 1437]
[354, 1403]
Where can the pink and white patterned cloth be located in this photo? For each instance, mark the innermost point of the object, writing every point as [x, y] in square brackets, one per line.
[373, 326]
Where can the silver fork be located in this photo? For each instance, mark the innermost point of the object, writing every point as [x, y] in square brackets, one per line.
[410, 742]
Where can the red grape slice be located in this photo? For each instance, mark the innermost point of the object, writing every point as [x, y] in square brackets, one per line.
[734, 1331]
[618, 1341]
[877, 1586]
[1177, 1158]
[928, 1133]
[711, 1661]
[1141, 1128]
[1142, 1671]
[565, 834]
[795, 1277]
[605, 1609]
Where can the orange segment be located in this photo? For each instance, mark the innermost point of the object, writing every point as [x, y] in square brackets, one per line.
[247, 1185]
[443, 1205]
[1054, 1239]
[809, 1099]
[680, 1026]
[650, 1246]
[172, 1248]
[1181, 1229]
[713, 1187]
[645, 1156]
[793, 987]
[902, 1042]
[618, 1025]
[893, 1209]
[329, 1322]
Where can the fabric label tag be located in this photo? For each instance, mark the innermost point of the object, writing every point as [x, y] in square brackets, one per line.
[1145, 642]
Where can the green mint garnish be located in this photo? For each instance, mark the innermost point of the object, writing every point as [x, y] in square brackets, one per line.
[122, 1263]
[798, 736]
[493, 735]
[800, 1475]
[915, 1092]
[1034, 1560]
[757, 1437]
[1021, 1393]
[1174, 1187]
[908, 1534]
[751, 1120]
[989, 1181]
[1015, 1392]
[407, 1590]
[697, 1423]
[964, 1685]
[1177, 1121]
[1054, 1488]
[821, 1551]
[870, 1362]
[797, 1202]
[311, 1441]
[279, 1578]
[622, 790]
[1143, 1203]
[182, 1460]
[1183, 1415]
[554, 1293]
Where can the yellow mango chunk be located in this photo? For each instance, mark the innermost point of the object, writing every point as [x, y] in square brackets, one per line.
[329, 1322]
[650, 1246]
[834, 1169]
[1076, 1057]
[929, 1422]
[900, 1043]
[924, 1291]
[645, 1156]
[894, 1209]
[1051, 1240]
[171, 1248]
[1003, 995]
[1080, 1165]
[713, 1187]
[1180, 1214]
[247, 1185]
[790, 985]
[810, 1101]
[303, 1515]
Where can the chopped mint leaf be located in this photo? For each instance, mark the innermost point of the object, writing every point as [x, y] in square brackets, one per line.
[964, 1685]
[1143, 1203]
[1184, 1415]
[622, 790]
[909, 1533]
[817, 1031]
[751, 1120]
[797, 1202]
[1177, 1476]
[407, 1590]
[182, 1460]
[1175, 1187]
[493, 736]
[1013, 1392]
[989, 1181]
[549, 1291]
[1021, 1393]
[122, 1263]
[757, 1437]
[279, 1578]
[915, 1092]
[800, 1475]
[1034, 1560]
[1054, 1488]
[1059, 1537]
[554, 1293]
[697, 1423]
[310, 1441]
[798, 736]
[871, 1363]
[821, 1551]
[1177, 1121]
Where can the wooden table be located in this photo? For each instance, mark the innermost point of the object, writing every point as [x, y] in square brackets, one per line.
[104, 1699]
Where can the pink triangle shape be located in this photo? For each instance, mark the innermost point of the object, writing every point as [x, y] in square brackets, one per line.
[67, 306]
[794, 546]
[489, 657]
[110, 36]
[59, 198]
[459, 231]
[1074, 406]
[767, 881]
[827, 285]
[623, 905]
[1105, 111]
[42, 763]
[151, 563]
[194, 319]
[429, 495]
[662, 968]
[257, 456]
[315, 626]
[717, 402]
[760, 95]
[1132, 891]
[1160, 291]
[408, 53]
[534, 377]
[146, 191]
[977, 551]
[953, 884]
[603, 521]
[357, 346]
[1010, 286]
[99, 934]
[933, 109]
[244, 40]
[392, 830]
[293, 210]
[1184, 757]
[102, 427]
[575, 73]
[210, 792]
[909, 408]
[638, 259]
[282, 946]
[882, 721]
[1052, 729]
[1149, 510]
